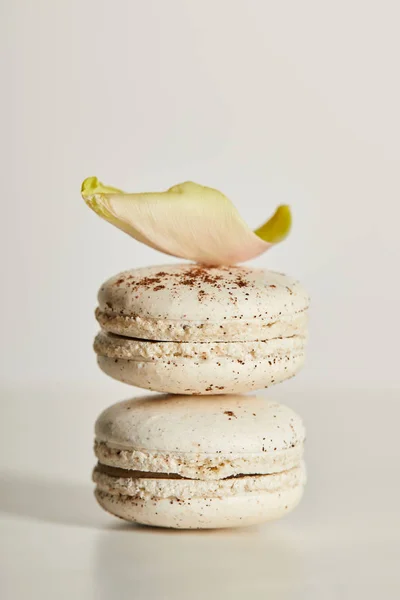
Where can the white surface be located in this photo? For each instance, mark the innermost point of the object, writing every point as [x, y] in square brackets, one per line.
[342, 541]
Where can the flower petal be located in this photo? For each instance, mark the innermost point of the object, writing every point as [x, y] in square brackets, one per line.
[188, 221]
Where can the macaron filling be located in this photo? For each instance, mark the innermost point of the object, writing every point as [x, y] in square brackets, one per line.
[128, 474]
[204, 466]
[120, 347]
[235, 328]
[147, 485]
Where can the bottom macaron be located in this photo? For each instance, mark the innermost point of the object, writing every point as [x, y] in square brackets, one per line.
[205, 462]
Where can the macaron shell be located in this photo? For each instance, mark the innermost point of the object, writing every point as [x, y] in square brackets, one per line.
[218, 375]
[224, 424]
[203, 513]
[196, 297]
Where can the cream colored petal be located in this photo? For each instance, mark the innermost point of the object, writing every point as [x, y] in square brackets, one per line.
[189, 221]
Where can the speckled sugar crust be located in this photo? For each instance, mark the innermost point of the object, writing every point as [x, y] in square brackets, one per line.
[187, 302]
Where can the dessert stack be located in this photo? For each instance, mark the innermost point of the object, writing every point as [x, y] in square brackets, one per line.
[201, 453]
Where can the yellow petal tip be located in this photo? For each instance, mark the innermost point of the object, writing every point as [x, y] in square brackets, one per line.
[92, 186]
[277, 228]
[89, 186]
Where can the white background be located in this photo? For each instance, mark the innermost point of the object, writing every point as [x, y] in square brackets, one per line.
[270, 102]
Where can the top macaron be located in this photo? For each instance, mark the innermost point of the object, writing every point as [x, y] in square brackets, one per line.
[200, 318]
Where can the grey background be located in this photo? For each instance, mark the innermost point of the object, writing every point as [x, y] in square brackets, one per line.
[270, 102]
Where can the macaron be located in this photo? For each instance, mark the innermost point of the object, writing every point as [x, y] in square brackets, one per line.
[204, 462]
[189, 329]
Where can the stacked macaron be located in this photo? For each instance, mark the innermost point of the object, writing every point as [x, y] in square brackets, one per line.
[187, 329]
[201, 455]
[199, 462]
